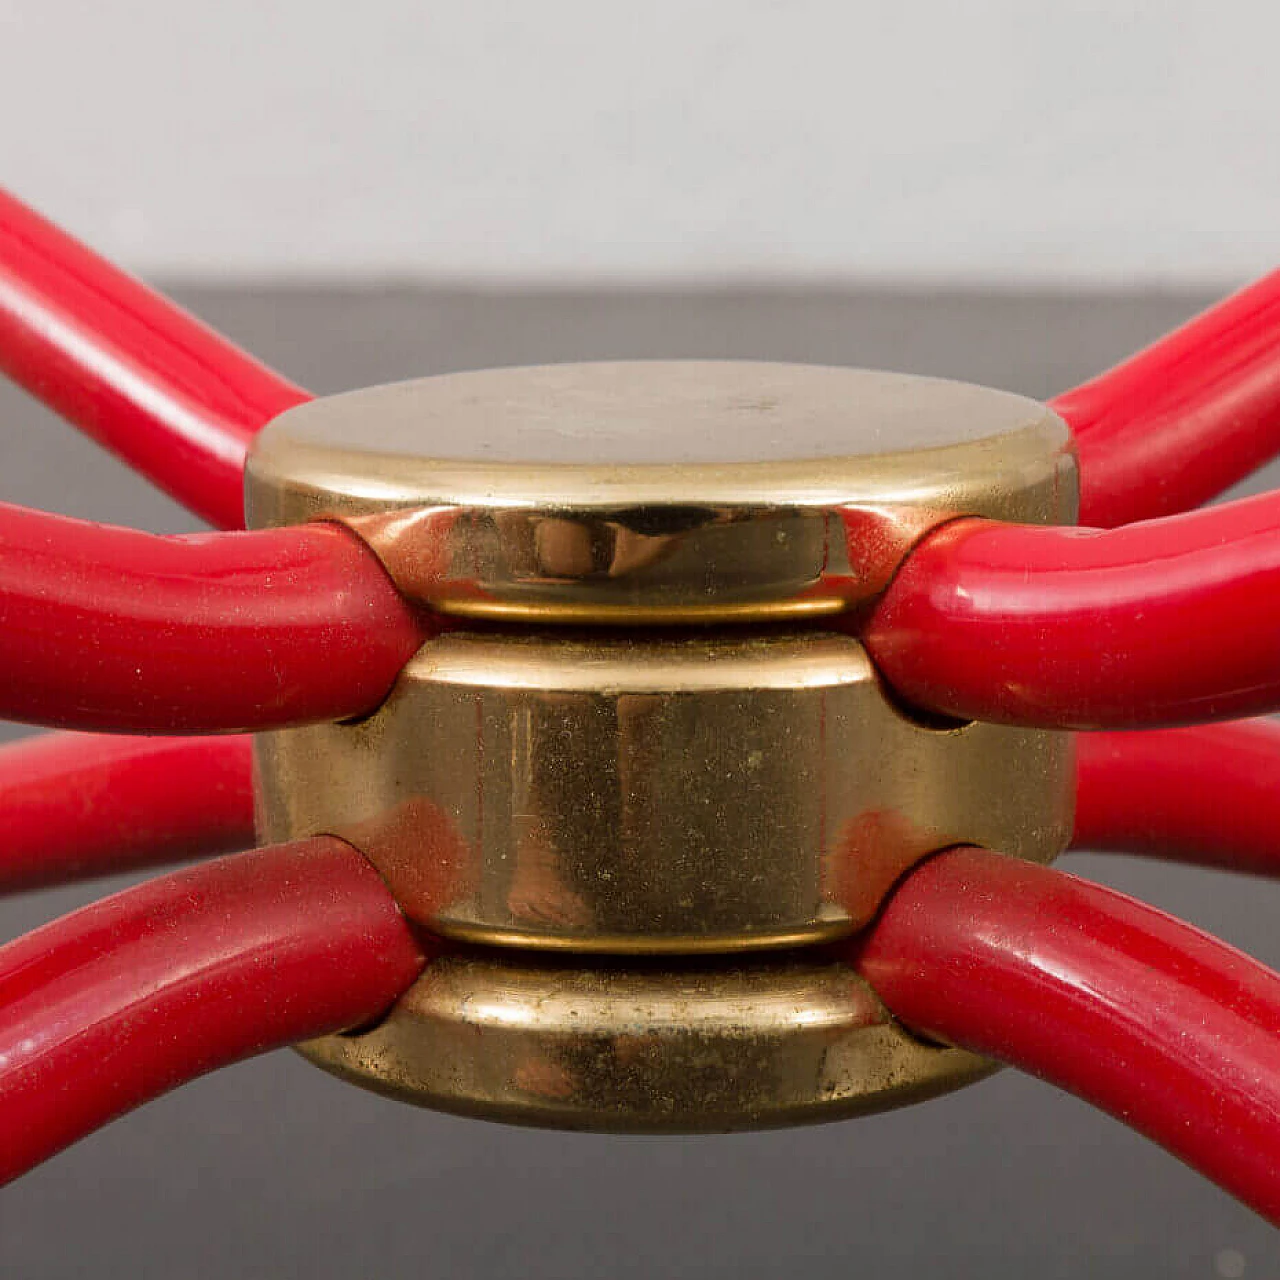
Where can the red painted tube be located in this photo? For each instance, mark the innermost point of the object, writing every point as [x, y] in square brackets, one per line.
[113, 1005]
[81, 805]
[174, 399]
[1168, 1029]
[1205, 795]
[1166, 622]
[106, 628]
[1182, 421]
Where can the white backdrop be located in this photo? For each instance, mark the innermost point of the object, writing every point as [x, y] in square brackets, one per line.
[989, 141]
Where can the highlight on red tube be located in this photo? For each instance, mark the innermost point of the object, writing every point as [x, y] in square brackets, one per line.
[175, 400]
[1185, 419]
[205, 633]
[1155, 1022]
[184, 974]
[1090, 629]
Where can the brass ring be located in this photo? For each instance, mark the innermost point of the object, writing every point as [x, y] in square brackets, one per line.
[725, 791]
[698, 1049]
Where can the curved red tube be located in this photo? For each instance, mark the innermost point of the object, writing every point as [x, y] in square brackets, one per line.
[1205, 795]
[1160, 623]
[115, 1004]
[81, 805]
[106, 628]
[1168, 1029]
[1182, 421]
[175, 400]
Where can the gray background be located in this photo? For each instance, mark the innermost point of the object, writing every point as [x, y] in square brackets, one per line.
[273, 1169]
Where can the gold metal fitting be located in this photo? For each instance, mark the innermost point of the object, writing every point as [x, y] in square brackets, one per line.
[658, 492]
[620, 799]
[696, 1049]
[717, 792]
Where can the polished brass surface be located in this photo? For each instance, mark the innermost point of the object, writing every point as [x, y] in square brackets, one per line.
[714, 791]
[701, 1048]
[658, 492]
[643, 783]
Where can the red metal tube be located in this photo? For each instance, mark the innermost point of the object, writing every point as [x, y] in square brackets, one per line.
[115, 1004]
[174, 399]
[106, 628]
[1167, 622]
[1205, 795]
[79, 805]
[1168, 1029]
[1183, 420]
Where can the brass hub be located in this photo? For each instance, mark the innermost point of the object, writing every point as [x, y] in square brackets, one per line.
[697, 1048]
[673, 744]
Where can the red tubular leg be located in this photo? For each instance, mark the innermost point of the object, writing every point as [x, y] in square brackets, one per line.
[141, 376]
[1168, 1029]
[1167, 622]
[81, 805]
[1185, 419]
[105, 628]
[1206, 795]
[113, 1005]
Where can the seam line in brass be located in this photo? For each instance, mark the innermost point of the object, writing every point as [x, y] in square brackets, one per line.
[643, 615]
[623, 944]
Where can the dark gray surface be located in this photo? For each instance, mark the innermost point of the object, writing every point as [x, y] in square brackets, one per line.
[273, 1169]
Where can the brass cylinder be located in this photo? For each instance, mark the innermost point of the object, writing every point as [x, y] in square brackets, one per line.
[657, 493]
[724, 791]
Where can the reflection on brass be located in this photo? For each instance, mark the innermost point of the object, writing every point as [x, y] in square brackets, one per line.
[714, 792]
[700, 1048]
[662, 772]
[658, 492]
